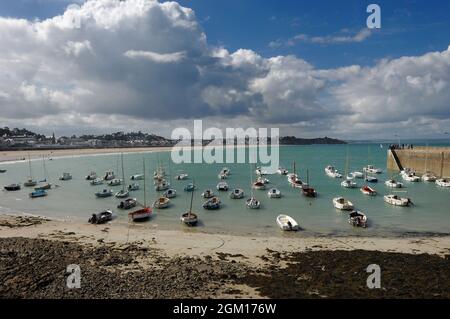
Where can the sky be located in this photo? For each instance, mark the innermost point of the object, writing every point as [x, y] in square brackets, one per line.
[310, 68]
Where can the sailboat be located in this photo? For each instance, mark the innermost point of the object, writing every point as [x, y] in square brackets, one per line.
[30, 182]
[307, 190]
[145, 212]
[428, 176]
[46, 185]
[348, 182]
[294, 180]
[370, 169]
[123, 193]
[189, 218]
[252, 202]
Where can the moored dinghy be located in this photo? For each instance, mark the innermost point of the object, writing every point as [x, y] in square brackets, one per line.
[137, 177]
[161, 203]
[38, 193]
[104, 193]
[356, 175]
[429, 177]
[212, 203]
[396, 200]
[357, 219]
[115, 182]
[133, 187]
[170, 193]
[287, 223]
[367, 190]
[332, 172]
[349, 183]
[91, 176]
[443, 182]
[282, 171]
[274, 193]
[109, 175]
[97, 181]
[342, 203]
[189, 187]
[393, 184]
[128, 203]
[237, 193]
[208, 193]
[222, 186]
[253, 203]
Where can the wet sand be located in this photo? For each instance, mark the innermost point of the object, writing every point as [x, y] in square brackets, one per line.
[129, 261]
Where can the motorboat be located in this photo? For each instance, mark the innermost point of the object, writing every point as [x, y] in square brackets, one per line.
[371, 179]
[282, 171]
[38, 193]
[122, 193]
[91, 176]
[357, 219]
[372, 169]
[411, 177]
[101, 217]
[274, 193]
[396, 200]
[97, 181]
[253, 203]
[342, 203]
[12, 187]
[429, 177]
[222, 186]
[356, 175]
[170, 193]
[367, 190]
[137, 177]
[212, 203]
[109, 175]
[332, 172]
[161, 202]
[104, 193]
[349, 183]
[115, 182]
[443, 182]
[181, 177]
[208, 193]
[189, 187]
[237, 193]
[393, 184]
[127, 203]
[287, 223]
[30, 183]
[133, 187]
[162, 186]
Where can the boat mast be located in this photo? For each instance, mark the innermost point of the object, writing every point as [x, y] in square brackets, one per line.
[251, 179]
[123, 174]
[426, 160]
[145, 193]
[192, 198]
[307, 177]
[29, 164]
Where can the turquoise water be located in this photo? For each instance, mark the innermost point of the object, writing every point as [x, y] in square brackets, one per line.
[75, 199]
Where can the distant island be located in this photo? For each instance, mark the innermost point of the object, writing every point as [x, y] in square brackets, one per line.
[23, 139]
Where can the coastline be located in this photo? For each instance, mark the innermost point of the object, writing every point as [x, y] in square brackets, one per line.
[208, 265]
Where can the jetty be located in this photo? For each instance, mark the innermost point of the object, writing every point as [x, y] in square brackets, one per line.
[421, 159]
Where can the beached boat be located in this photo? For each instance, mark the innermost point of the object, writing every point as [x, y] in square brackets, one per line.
[109, 175]
[133, 187]
[357, 219]
[287, 223]
[342, 203]
[282, 171]
[189, 218]
[237, 193]
[429, 177]
[91, 176]
[393, 184]
[367, 190]
[127, 203]
[443, 182]
[332, 172]
[307, 190]
[253, 203]
[12, 187]
[189, 187]
[370, 169]
[104, 193]
[101, 217]
[396, 200]
[212, 203]
[274, 193]
[144, 213]
[161, 203]
[208, 193]
[97, 181]
[170, 193]
[222, 186]
[38, 193]
[114, 182]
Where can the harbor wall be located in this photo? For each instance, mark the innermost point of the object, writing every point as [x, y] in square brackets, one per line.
[421, 159]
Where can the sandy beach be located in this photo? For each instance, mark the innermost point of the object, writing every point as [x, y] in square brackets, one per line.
[10, 156]
[233, 266]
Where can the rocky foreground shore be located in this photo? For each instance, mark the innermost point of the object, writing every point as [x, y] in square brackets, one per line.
[36, 268]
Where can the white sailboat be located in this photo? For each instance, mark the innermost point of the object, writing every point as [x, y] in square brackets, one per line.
[123, 193]
[252, 202]
[30, 182]
[428, 176]
[348, 182]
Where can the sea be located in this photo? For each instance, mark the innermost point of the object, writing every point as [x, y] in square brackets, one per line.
[75, 200]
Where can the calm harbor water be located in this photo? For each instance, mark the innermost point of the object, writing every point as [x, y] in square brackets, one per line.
[75, 198]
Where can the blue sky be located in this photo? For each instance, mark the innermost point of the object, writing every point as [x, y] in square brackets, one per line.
[309, 68]
[409, 27]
